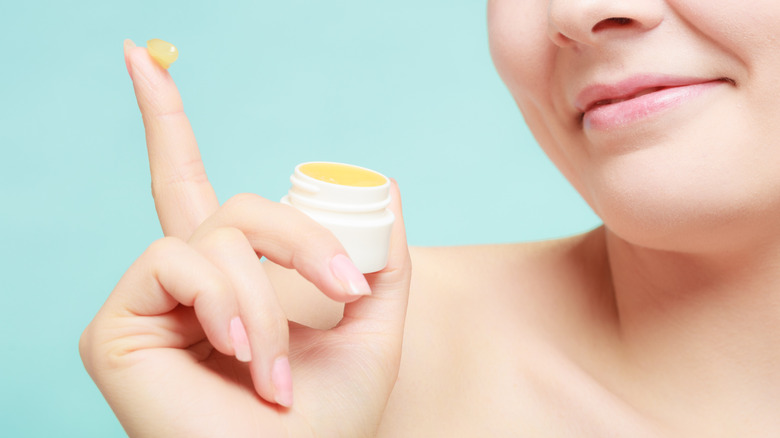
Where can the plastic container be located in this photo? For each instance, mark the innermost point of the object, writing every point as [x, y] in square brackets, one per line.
[351, 202]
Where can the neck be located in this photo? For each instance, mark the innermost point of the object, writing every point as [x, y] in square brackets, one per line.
[706, 320]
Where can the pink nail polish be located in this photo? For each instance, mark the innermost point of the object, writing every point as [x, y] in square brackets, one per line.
[349, 276]
[281, 377]
[240, 340]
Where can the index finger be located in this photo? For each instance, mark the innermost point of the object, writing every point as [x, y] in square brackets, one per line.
[182, 193]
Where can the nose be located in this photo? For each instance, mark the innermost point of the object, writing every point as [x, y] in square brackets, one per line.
[592, 22]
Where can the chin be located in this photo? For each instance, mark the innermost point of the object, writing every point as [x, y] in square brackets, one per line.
[701, 190]
[689, 219]
[673, 228]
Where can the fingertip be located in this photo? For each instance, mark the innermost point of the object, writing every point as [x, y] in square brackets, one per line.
[352, 281]
[239, 340]
[395, 198]
[140, 61]
[399, 252]
[128, 45]
[281, 377]
[154, 87]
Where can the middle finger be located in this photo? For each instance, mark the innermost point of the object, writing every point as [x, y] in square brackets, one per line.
[292, 239]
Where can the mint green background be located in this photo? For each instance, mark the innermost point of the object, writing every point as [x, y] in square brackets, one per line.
[404, 87]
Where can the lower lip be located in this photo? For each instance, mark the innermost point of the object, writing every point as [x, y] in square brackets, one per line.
[615, 115]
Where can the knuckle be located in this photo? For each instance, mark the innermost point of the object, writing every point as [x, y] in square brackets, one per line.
[187, 172]
[213, 289]
[223, 237]
[98, 353]
[163, 247]
[85, 347]
[243, 201]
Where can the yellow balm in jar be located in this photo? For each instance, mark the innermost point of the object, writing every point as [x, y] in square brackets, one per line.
[163, 52]
[343, 174]
[351, 202]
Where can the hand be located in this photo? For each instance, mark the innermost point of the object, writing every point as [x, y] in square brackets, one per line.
[192, 341]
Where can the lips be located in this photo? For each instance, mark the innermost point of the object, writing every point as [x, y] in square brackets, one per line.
[611, 105]
[624, 98]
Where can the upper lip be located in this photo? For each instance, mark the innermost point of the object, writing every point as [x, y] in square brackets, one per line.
[598, 94]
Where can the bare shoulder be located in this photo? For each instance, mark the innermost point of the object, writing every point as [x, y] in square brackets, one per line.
[565, 274]
[489, 327]
[549, 289]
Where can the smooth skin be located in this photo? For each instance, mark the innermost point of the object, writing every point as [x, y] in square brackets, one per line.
[662, 323]
[161, 348]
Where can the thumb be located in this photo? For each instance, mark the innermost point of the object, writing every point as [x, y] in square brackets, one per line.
[384, 311]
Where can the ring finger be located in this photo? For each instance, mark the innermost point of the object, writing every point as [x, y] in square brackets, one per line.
[260, 333]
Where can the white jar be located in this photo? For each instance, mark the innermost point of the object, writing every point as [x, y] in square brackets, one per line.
[351, 202]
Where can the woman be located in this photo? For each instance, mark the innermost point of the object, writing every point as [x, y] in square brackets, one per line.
[664, 322]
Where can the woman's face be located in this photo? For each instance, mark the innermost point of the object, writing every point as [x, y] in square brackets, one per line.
[664, 115]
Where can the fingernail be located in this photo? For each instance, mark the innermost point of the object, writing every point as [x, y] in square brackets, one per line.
[129, 44]
[349, 276]
[240, 340]
[281, 377]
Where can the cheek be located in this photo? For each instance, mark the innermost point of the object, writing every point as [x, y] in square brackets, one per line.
[749, 30]
[518, 43]
[525, 60]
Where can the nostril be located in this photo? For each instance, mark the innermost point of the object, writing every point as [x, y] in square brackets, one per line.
[611, 23]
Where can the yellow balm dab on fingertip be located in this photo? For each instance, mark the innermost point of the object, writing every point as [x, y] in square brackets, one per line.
[163, 52]
[343, 174]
